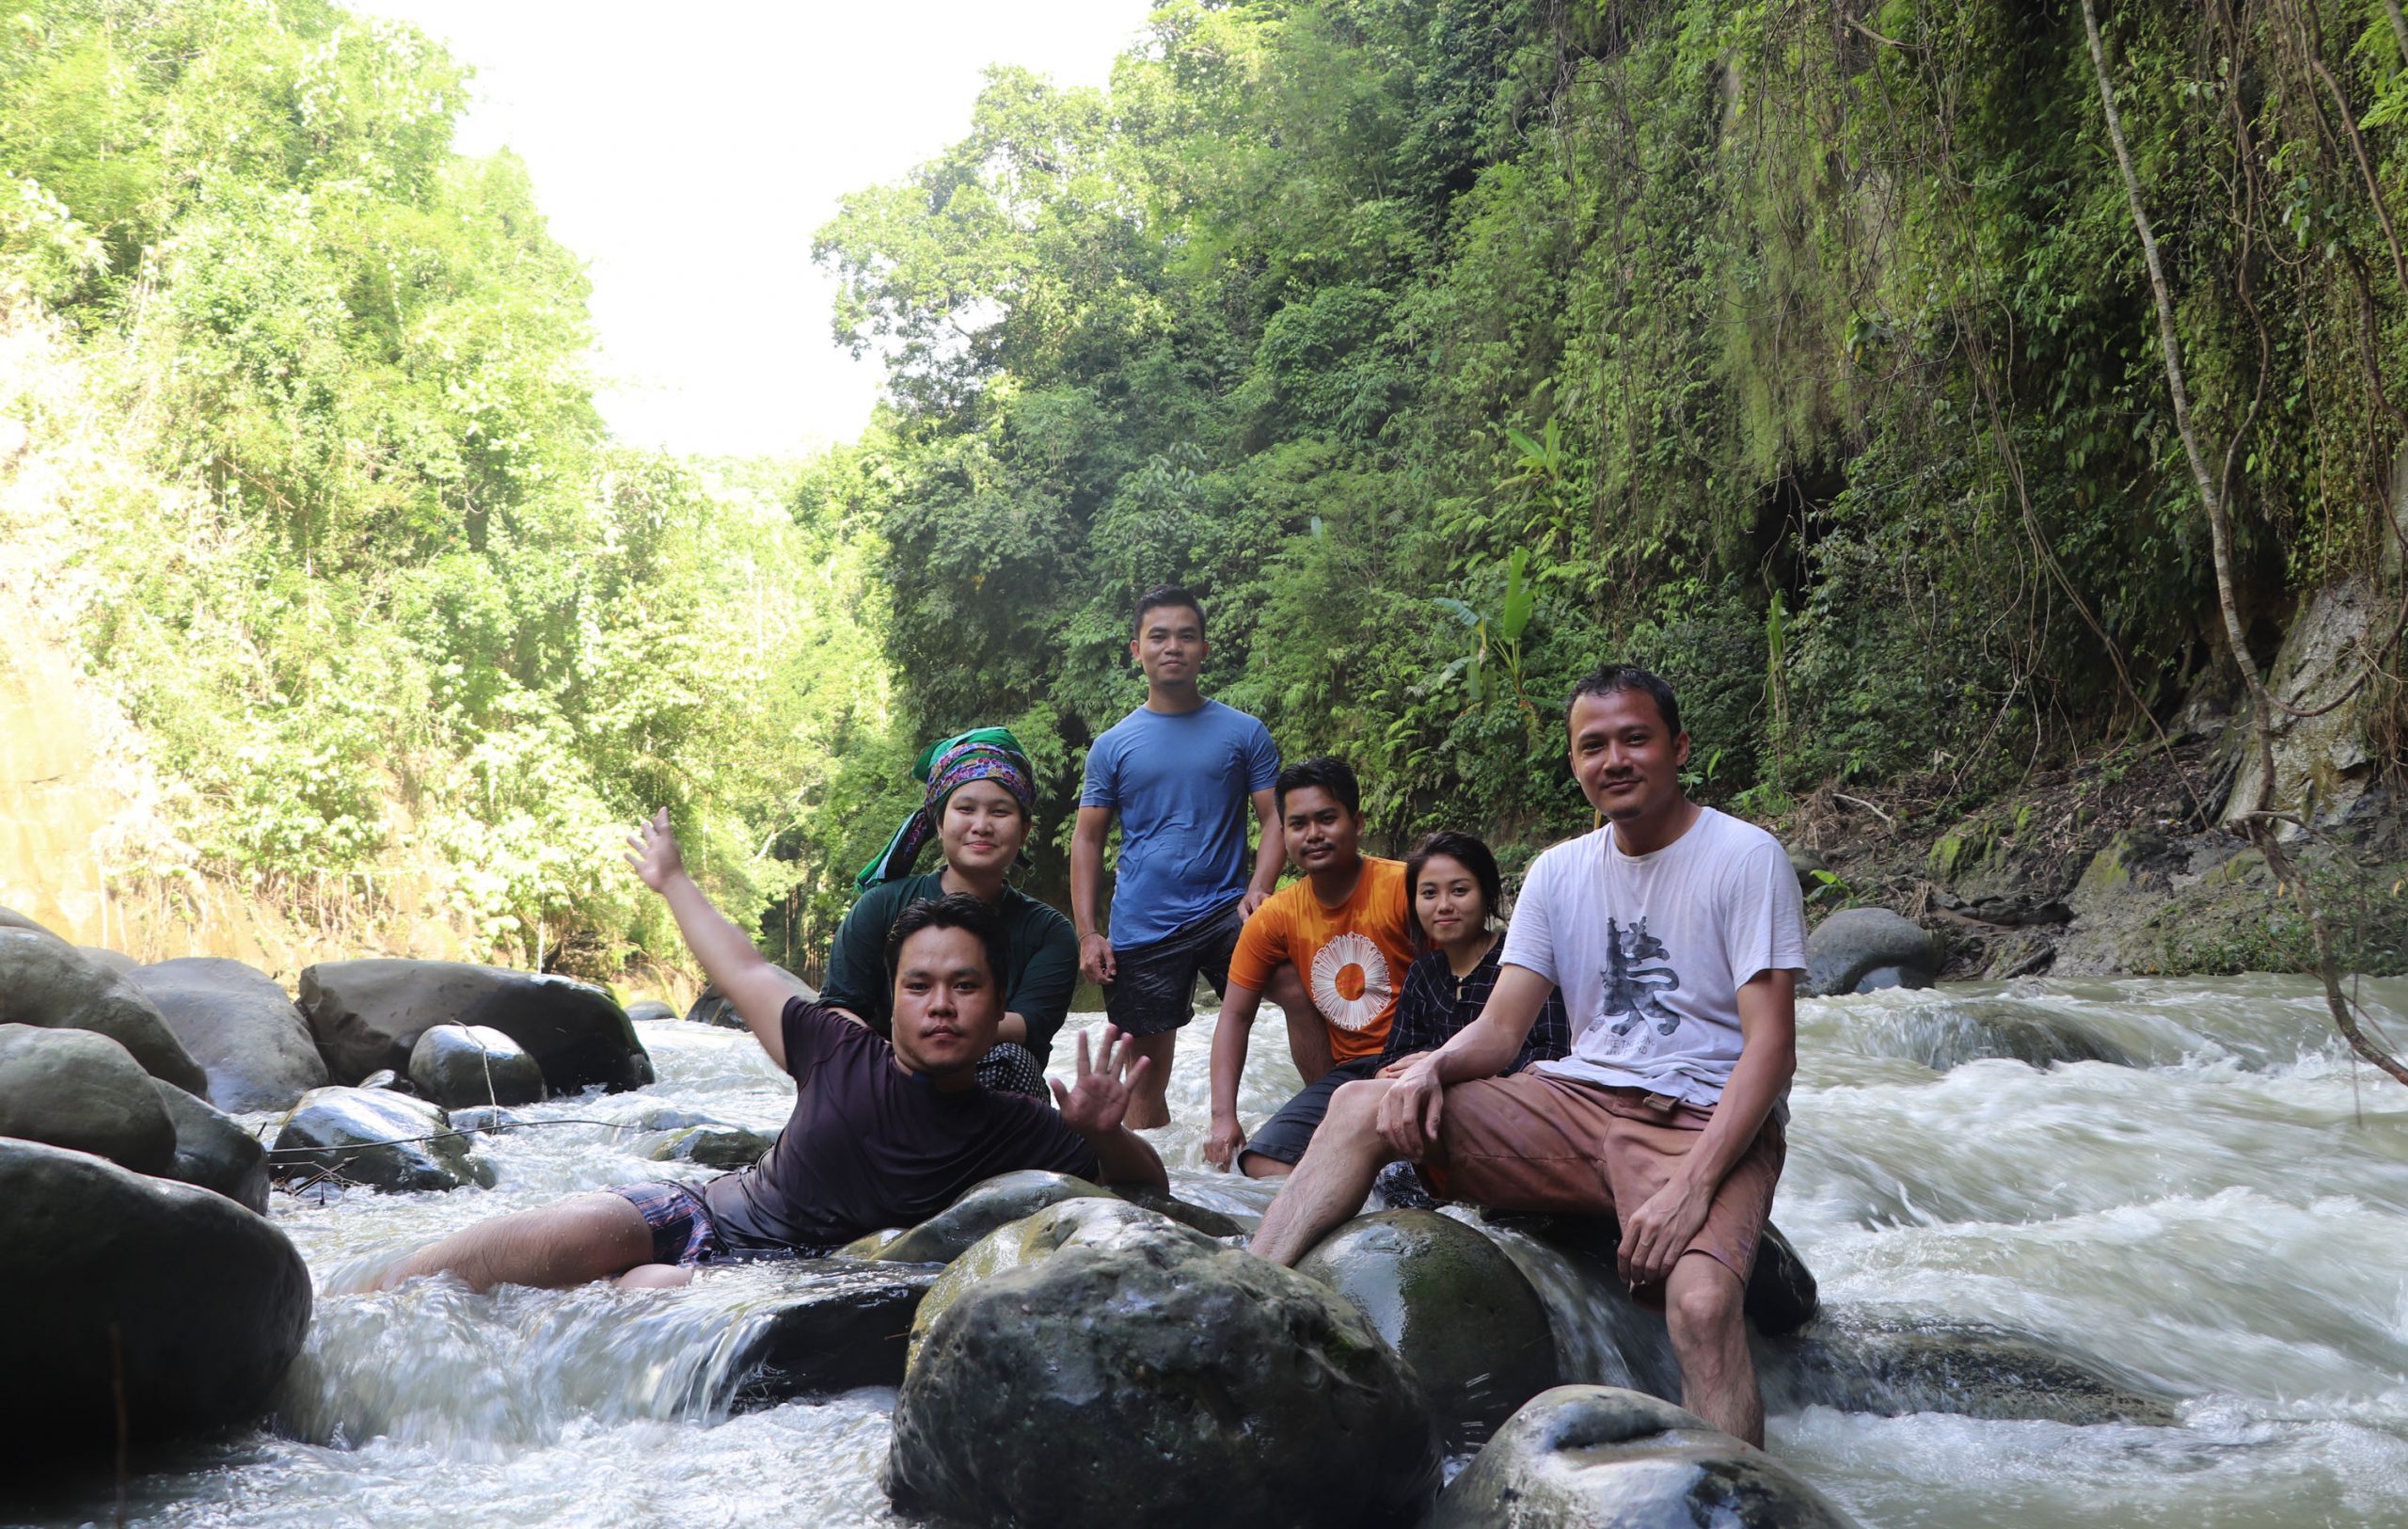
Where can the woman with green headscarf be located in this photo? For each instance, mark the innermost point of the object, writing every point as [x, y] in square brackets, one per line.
[980, 791]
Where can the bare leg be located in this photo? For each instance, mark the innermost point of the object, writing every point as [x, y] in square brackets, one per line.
[1148, 1107]
[1332, 1182]
[1703, 1306]
[593, 1236]
[657, 1277]
[1307, 1032]
[1255, 1166]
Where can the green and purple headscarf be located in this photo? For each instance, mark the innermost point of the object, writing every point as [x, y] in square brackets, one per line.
[980, 753]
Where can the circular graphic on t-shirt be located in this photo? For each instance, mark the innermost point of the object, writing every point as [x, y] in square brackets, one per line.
[1350, 981]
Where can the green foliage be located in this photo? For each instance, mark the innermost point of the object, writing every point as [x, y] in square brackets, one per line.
[1811, 364]
[359, 558]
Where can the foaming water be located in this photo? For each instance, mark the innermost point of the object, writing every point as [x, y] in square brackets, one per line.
[2188, 1182]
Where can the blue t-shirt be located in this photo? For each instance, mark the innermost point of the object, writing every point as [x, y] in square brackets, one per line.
[1181, 786]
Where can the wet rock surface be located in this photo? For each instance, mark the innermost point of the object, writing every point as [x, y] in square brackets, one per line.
[1863, 949]
[82, 1091]
[1579, 1456]
[843, 1326]
[484, 1117]
[650, 1011]
[197, 1302]
[1097, 1356]
[369, 1015]
[712, 1146]
[1453, 1306]
[358, 1136]
[1893, 1367]
[1212, 1223]
[213, 1150]
[45, 982]
[1950, 1034]
[459, 1066]
[982, 1208]
[240, 1026]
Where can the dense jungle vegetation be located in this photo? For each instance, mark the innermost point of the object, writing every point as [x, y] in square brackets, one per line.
[1803, 351]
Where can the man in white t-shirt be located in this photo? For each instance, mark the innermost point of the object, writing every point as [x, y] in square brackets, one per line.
[1676, 934]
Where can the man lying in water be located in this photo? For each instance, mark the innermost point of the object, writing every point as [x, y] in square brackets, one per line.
[884, 1133]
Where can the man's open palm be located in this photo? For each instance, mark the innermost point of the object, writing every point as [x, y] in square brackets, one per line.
[652, 848]
[1095, 1103]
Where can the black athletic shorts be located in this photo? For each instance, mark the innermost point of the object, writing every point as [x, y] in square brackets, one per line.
[1153, 985]
[1285, 1136]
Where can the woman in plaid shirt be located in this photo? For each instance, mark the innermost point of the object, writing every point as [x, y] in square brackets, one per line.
[1450, 882]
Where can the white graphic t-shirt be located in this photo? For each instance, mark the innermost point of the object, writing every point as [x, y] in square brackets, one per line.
[1651, 951]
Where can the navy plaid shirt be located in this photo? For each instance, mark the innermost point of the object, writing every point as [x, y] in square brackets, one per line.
[1433, 1004]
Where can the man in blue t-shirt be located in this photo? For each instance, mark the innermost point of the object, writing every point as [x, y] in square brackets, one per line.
[1179, 772]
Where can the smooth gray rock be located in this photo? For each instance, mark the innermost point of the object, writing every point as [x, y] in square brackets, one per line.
[11, 919]
[83, 1092]
[365, 1136]
[200, 1304]
[385, 1080]
[1855, 942]
[713, 1146]
[459, 1066]
[838, 1327]
[213, 1150]
[484, 1119]
[984, 1207]
[1893, 1367]
[1587, 1456]
[48, 982]
[649, 1010]
[368, 1014]
[1212, 1223]
[240, 1026]
[1098, 1366]
[711, 1008]
[110, 961]
[1453, 1306]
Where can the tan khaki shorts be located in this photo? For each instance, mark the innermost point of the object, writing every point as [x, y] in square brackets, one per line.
[1532, 1142]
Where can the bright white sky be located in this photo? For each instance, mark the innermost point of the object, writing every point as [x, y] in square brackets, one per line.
[689, 154]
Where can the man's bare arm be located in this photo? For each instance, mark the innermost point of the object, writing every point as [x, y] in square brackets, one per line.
[1087, 885]
[739, 972]
[1230, 1033]
[1269, 855]
[1411, 1109]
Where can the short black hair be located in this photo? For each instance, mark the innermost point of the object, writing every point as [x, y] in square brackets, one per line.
[1466, 848]
[1168, 595]
[1613, 678]
[955, 910]
[1331, 775]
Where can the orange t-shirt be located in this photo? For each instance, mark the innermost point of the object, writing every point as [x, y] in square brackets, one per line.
[1351, 958]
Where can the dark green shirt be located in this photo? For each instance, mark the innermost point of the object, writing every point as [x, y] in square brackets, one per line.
[1044, 958]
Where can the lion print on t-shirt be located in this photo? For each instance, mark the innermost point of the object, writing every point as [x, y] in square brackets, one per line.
[1630, 987]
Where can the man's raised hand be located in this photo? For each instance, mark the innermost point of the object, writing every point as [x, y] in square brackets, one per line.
[652, 848]
[1095, 1103]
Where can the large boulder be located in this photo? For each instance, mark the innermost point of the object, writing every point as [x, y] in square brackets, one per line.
[127, 1296]
[368, 1014]
[459, 1066]
[1453, 1306]
[1862, 950]
[46, 981]
[80, 1091]
[110, 961]
[1582, 1457]
[1892, 1366]
[376, 1137]
[213, 1150]
[711, 1007]
[650, 1011]
[832, 1327]
[240, 1026]
[982, 1207]
[1097, 1356]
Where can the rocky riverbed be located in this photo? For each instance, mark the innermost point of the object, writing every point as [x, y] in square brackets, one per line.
[2089, 1251]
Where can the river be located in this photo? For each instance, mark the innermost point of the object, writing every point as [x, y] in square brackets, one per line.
[2218, 1209]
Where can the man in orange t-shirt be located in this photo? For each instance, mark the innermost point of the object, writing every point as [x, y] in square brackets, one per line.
[1348, 929]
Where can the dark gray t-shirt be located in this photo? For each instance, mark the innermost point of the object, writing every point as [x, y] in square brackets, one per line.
[871, 1145]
